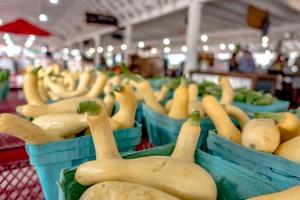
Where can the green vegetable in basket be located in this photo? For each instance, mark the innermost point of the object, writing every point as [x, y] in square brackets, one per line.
[4, 75]
[241, 94]
[267, 99]
[177, 175]
[213, 90]
[253, 96]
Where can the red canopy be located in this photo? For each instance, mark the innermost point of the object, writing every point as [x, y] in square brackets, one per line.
[23, 27]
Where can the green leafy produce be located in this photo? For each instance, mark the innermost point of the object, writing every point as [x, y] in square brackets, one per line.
[207, 87]
[4, 75]
[253, 97]
[172, 83]
[241, 94]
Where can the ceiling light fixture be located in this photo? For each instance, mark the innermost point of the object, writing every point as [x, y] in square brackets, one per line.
[166, 41]
[54, 1]
[100, 49]
[65, 51]
[92, 50]
[184, 48]
[167, 50]
[123, 47]
[110, 48]
[231, 47]
[265, 39]
[43, 17]
[222, 46]
[204, 38]
[141, 44]
[264, 44]
[153, 50]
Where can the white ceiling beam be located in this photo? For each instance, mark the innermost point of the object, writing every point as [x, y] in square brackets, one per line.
[124, 11]
[225, 15]
[167, 9]
[238, 35]
[98, 6]
[107, 6]
[164, 10]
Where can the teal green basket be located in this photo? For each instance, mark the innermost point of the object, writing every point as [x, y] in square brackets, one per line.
[283, 173]
[163, 130]
[233, 182]
[4, 89]
[50, 159]
[277, 106]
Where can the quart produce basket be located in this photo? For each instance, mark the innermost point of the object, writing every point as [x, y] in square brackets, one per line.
[163, 130]
[50, 159]
[283, 173]
[277, 106]
[233, 182]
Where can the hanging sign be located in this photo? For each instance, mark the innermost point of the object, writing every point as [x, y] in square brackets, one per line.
[101, 19]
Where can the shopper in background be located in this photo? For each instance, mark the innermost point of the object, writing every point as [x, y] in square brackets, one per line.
[278, 65]
[233, 65]
[246, 63]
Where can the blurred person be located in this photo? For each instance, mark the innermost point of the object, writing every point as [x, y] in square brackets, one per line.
[278, 64]
[246, 63]
[297, 64]
[7, 63]
[233, 64]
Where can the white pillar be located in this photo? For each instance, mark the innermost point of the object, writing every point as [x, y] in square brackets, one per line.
[97, 54]
[128, 42]
[192, 35]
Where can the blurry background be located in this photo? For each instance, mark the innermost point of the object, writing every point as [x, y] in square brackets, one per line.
[161, 37]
